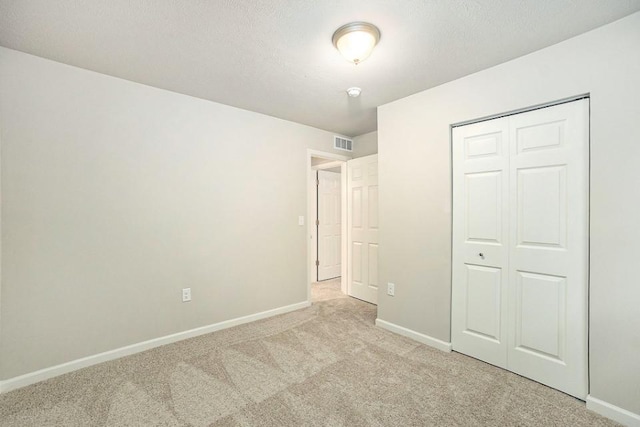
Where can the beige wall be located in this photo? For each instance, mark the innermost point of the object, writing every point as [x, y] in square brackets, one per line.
[365, 144]
[116, 195]
[415, 191]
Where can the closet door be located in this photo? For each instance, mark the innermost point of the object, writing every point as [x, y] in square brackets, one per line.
[480, 235]
[549, 245]
[521, 243]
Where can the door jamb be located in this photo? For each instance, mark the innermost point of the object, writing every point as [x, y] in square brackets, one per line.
[311, 209]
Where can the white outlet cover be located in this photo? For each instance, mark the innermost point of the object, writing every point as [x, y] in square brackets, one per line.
[391, 289]
[186, 294]
[301, 220]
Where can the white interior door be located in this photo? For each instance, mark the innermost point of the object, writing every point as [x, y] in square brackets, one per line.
[329, 225]
[544, 271]
[480, 236]
[362, 226]
[549, 250]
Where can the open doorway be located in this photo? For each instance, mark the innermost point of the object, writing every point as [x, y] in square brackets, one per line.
[326, 225]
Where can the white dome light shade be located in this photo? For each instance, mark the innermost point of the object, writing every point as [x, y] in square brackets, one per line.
[354, 92]
[356, 40]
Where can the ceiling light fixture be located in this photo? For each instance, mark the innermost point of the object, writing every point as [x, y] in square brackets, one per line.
[354, 92]
[356, 40]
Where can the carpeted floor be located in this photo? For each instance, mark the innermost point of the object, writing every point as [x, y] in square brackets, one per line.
[327, 365]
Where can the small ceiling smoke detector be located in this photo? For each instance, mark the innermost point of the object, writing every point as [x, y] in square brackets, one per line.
[354, 92]
[356, 40]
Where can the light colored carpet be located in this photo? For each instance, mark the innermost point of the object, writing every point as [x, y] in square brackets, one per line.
[327, 365]
[326, 290]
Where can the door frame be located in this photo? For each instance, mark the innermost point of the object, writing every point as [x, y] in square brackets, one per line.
[312, 248]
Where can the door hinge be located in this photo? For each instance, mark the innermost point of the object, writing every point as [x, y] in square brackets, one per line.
[317, 263]
[317, 222]
[317, 183]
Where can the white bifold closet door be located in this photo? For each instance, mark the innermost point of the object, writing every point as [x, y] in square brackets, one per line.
[362, 228]
[521, 243]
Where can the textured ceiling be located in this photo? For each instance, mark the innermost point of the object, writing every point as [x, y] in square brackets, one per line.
[275, 56]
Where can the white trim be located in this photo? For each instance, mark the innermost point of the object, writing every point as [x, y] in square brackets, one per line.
[54, 371]
[328, 165]
[312, 248]
[326, 155]
[1, 199]
[613, 412]
[523, 110]
[344, 232]
[417, 336]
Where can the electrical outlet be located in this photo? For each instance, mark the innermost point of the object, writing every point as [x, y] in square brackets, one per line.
[391, 289]
[301, 220]
[186, 294]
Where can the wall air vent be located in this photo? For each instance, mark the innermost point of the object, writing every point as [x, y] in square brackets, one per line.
[341, 143]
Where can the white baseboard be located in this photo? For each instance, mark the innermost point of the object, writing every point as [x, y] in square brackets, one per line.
[613, 412]
[417, 336]
[74, 365]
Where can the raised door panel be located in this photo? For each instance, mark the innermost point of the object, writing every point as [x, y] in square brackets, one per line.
[547, 134]
[356, 173]
[541, 315]
[356, 208]
[542, 206]
[356, 262]
[483, 302]
[483, 207]
[483, 145]
[373, 267]
[373, 206]
[372, 171]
